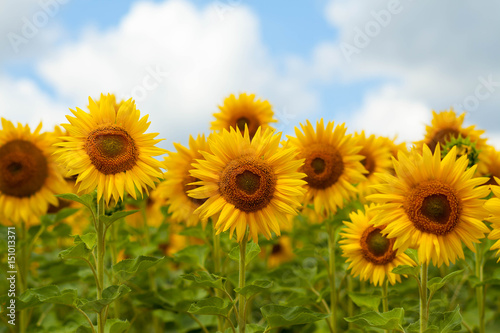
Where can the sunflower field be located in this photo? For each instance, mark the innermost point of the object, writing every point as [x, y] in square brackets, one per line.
[246, 229]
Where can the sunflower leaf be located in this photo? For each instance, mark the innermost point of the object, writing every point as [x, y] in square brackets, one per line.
[109, 295]
[279, 316]
[406, 270]
[90, 240]
[391, 320]
[109, 220]
[86, 199]
[205, 279]
[78, 251]
[116, 326]
[211, 306]
[447, 321]
[255, 287]
[128, 268]
[437, 283]
[193, 255]
[371, 301]
[251, 251]
[47, 294]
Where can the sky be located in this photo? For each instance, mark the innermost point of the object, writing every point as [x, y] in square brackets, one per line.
[379, 66]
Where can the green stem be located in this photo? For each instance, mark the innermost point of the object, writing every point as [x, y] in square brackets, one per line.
[101, 249]
[350, 304]
[385, 300]
[480, 289]
[217, 270]
[424, 310]
[241, 298]
[23, 274]
[331, 275]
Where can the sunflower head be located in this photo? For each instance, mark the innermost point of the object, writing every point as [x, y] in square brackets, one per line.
[492, 205]
[29, 176]
[432, 204]
[243, 111]
[489, 164]
[370, 254]
[108, 149]
[251, 182]
[332, 164]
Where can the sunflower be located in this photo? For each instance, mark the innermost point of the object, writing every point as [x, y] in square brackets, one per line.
[280, 253]
[489, 164]
[109, 150]
[177, 179]
[369, 253]
[243, 111]
[252, 183]
[332, 164]
[377, 159]
[110, 98]
[493, 207]
[432, 205]
[153, 214]
[29, 175]
[445, 125]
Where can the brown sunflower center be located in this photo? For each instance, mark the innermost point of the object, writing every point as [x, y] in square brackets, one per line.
[248, 120]
[277, 248]
[23, 168]
[248, 183]
[369, 164]
[433, 207]
[323, 165]
[241, 122]
[111, 150]
[188, 180]
[377, 248]
[442, 136]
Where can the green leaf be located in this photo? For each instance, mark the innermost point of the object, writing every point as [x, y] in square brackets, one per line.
[474, 282]
[109, 295]
[77, 251]
[90, 240]
[211, 306]
[437, 283]
[278, 315]
[255, 287]
[371, 301]
[413, 254]
[50, 219]
[47, 294]
[109, 220]
[391, 320]
[205, 279]
[128, 268]
[193, 255]
[87, 200]
[406, 270]
[251, 251]
[116, 326]
[447, 321]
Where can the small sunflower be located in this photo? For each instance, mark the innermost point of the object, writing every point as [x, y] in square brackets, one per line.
[177, 179]
[252, 183]
[432, 205]
[369, 253]
[332, 164]
[109, 150]
[243, 111]
[29, 175]
[281, 252]
[489, 164]
[377, 159]
[446, 125]
[493, 207]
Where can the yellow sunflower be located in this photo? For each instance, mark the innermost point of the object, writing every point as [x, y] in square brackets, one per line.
[252, 183]
[177, 179]
[110, 98]
[489, 164]
[153, 214]
[369, 253]
[445, 125]
[377, 159]
[281, 252]
[243, 111]
[29, 175]
[332, 164]
[432, 205]
[109, 150]
[493, 207]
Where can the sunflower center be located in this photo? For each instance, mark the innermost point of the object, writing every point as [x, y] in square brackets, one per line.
[276, 249]
[251, 122]
[188, 180]
[248, 183]
[323, 166]
[111, 150]
[369, 164]
[241, 122]
[442, 136]
[433, 207]
[23, 168]
[377, 248]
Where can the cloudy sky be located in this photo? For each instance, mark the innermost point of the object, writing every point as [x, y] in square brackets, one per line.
[379, 65]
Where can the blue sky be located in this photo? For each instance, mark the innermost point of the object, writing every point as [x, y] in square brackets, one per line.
[418, 56]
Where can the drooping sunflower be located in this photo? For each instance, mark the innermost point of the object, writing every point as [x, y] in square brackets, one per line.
[243, 111]
[332, 164]
[445, 125]
[370, 254]
[432, 205]
[29, 175]
[492, 205]
[109, 150]
[377, 159]
[252, 183]
[177, 179]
